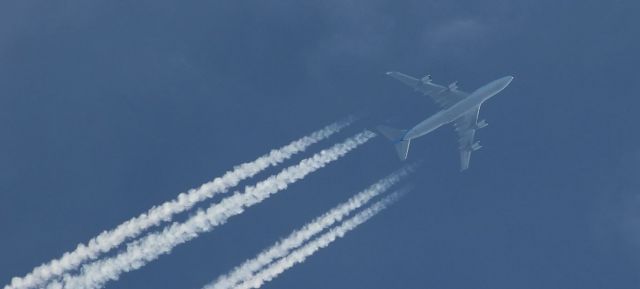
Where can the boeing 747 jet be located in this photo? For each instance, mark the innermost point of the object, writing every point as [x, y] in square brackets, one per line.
[457, 107]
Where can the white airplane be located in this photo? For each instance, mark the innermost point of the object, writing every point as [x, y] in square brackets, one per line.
[458, 107]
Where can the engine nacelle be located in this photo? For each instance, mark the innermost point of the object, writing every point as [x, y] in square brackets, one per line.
[481, 124]
[426, 79]
[476, 146]
[453, 85]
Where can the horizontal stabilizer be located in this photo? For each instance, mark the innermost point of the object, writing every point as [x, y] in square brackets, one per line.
[396, 136]
[393, 134]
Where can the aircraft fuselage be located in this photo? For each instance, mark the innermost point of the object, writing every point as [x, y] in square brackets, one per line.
[443, 117]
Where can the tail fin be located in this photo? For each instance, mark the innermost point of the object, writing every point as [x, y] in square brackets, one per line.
[396, 136]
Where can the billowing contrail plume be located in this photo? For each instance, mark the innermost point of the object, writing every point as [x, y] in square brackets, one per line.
[301, 254]
[150, 247]
[298, 237]
[110, 239]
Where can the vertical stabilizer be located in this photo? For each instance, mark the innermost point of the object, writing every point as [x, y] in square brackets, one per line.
[397, 137]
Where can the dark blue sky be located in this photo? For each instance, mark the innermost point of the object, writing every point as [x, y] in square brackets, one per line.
[108, 108]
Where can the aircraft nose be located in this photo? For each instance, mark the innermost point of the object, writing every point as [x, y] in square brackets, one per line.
[505, 81]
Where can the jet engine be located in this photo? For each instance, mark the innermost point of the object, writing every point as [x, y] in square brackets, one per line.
[426, 79]
[476, 146]
[481, 124]
[453, 86]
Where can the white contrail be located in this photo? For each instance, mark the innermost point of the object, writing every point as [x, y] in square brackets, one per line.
[298, 237]
[150, 247]
[301, 254]
[110, 239]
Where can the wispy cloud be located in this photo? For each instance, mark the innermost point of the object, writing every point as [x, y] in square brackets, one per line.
[153, 245]
[132, 228]
[300, 255]
[298, 237]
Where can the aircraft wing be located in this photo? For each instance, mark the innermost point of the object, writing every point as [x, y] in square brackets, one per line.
[466, 126]
[444, 96]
